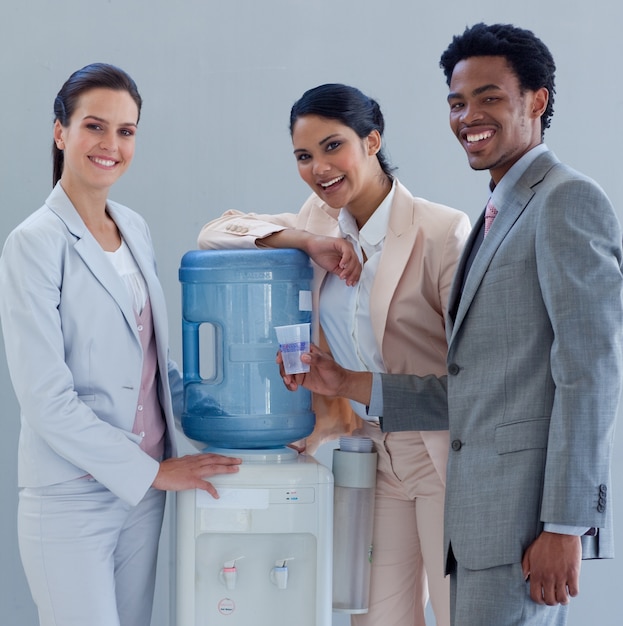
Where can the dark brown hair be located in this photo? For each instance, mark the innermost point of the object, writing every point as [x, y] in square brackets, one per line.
[93, 76]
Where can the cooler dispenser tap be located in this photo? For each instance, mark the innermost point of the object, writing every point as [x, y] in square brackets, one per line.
[229, 573]
[279, 573]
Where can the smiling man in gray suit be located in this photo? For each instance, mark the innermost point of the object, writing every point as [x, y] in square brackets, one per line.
[534, 351]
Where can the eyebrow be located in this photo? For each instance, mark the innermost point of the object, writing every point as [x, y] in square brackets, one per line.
[101, 119]
[320, 143]
[476, 92]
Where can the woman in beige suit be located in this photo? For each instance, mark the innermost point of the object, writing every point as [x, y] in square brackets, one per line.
[384, 263]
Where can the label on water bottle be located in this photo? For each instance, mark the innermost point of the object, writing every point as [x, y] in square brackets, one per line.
[305, 300]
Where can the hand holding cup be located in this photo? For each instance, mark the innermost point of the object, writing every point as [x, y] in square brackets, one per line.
[293, 342]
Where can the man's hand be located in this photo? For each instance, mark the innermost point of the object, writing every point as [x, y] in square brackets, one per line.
[190, 472]
[327, 378]
[552, 564]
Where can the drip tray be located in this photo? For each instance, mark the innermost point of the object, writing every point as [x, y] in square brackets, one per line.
[267, 455]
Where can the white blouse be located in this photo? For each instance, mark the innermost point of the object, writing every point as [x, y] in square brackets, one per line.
[125, 265]
[345, 311]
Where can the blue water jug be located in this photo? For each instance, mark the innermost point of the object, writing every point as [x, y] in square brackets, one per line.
[231, 302]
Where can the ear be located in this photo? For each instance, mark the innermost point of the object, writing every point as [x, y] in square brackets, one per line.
[58, 135]
[540, 99]
[374, 142]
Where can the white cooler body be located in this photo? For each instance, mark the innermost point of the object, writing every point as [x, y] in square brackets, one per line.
[260, 555]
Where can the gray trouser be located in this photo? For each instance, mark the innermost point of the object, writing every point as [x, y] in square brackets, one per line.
[498, 596]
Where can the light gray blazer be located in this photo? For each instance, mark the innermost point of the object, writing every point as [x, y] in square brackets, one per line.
[74, 353]
[534, 372]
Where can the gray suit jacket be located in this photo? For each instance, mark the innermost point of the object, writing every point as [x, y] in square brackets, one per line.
[534, 372]
[74, 353]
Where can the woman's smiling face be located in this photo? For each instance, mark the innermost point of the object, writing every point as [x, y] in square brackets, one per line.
[98, 143]
[334, 161]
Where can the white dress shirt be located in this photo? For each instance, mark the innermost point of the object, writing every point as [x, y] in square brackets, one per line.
[344, 310]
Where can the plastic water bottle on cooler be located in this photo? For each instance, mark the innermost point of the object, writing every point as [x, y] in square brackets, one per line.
[231, 302]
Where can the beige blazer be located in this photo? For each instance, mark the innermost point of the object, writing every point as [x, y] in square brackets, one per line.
[409, 294]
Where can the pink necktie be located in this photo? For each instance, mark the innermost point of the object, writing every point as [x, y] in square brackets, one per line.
[490, 213]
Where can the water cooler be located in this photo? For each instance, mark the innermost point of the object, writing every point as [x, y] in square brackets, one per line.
[259, 555]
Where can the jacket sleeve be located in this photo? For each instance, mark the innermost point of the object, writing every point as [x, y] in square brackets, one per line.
[578, 249]
[412, 402]
[242, 230]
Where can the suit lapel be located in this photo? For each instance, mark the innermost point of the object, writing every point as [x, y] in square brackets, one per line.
[319, 218]
[402, 230]
[508, 213]
[87, 247]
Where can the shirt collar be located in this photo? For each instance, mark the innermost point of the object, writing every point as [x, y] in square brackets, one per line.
[374, 229]
[511, 177]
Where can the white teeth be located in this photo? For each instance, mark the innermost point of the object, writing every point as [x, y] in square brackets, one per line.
[479, 136]
[331, 182]
[104, 162]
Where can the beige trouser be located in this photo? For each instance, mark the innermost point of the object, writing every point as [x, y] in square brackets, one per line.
[407, 552]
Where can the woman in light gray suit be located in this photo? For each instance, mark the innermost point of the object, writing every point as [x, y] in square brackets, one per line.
[85, 330]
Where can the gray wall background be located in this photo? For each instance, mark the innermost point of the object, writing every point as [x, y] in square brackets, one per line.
[218, 80]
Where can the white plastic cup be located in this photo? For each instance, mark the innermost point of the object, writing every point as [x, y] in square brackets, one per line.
[293, 341]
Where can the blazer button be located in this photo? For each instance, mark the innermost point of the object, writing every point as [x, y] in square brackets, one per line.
[601, 508]
[457, 445]
[603, 490]
[453, 369]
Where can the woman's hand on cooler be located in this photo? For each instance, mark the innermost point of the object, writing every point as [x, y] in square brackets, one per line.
[190, 472]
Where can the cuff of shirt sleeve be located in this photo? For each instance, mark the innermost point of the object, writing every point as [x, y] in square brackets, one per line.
[562, 529]
[376, 396]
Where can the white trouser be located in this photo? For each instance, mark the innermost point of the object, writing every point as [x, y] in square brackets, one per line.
[90, 558]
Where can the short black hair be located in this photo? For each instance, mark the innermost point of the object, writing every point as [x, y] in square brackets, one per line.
[526, 54]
